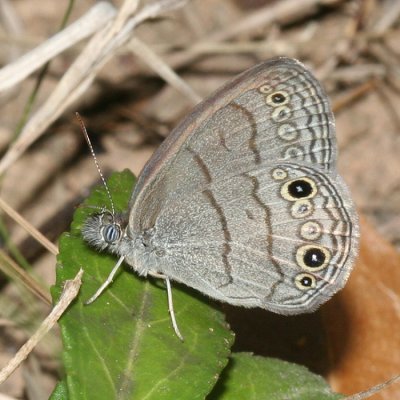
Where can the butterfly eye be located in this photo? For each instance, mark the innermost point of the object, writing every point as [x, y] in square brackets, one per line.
[111, 233]
[305, 281]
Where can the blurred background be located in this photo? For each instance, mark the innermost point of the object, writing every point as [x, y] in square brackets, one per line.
[352, 46]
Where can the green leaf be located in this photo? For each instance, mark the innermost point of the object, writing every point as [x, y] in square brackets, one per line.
[123, 345]
[253, 377]
[60, 392]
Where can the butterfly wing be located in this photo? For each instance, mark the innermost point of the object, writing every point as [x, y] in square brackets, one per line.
[274, 110]
[242, 201]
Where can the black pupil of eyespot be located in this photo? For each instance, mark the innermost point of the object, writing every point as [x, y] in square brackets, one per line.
[303, 208]
[314, 258]
[111, 233]
[306, 281]
[278, 98]
[299, 189]
[282, 114]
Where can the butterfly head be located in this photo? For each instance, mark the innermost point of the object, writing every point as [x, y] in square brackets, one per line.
[105, 230]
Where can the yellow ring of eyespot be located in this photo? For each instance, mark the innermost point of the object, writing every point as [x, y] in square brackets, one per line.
[287, 196]
[265, 89]
[270, 98]
[281, 113]
[287, 133]
[296, 207]
[299, 285]
[293, 152]
[279, 174]
[301, 251]
[311, 230]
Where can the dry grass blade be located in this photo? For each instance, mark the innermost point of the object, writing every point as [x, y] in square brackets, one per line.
[5, 397]
[281, 11]
[158, 65]
[91, 22]
[28, 227]
[344, 100]
[375, 389]
[83, 71]
[71, 290]
[10, 268]
[388, 19]
[9, 19]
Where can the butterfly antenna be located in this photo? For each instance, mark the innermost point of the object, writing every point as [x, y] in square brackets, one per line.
[84, 131]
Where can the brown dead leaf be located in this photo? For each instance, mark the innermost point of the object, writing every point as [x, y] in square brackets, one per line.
[364, 320]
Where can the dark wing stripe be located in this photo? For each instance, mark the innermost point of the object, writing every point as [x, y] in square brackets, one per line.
[220, 212]
[270, 235]
[253, 124]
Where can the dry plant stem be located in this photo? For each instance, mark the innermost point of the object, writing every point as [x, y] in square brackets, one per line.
[341, 49]
[246, 47]
[32, 375]
[389, 60]
[281, 11]
[388, 19]
[71, 289]
[344, 100]
[382, 54]
[6, 323]
[128, 8]
[82, 73]
[375, 389]
[10, 268]
[91, 22]
[12, 26]
[156, 63]
[356, 74]
[5, 397]
[28, 227]
[391, 109]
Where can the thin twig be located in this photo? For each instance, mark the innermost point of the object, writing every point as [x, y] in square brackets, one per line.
[375, 389]
[71, 289]
[10, 268]
[349, 97]
[81, 74]
[97, 17]
[156, 63]
[390, 16]
[28, 227]
[283, 11]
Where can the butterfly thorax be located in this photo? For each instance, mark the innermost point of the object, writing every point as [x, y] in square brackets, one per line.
[147, 252]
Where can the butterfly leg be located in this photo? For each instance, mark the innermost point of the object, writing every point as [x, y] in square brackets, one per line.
[170, 302]
[109, 279]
